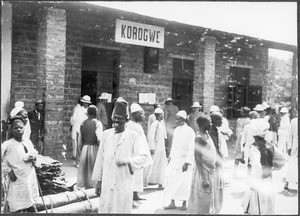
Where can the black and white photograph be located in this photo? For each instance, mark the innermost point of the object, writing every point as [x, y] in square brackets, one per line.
[149, 107]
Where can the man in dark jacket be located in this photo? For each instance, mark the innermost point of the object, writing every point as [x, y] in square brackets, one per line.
[36, 119]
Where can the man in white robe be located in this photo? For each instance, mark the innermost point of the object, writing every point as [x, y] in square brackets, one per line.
[137, 115]
[180, 167]
[156, 141]
[292, 165]
[283, 130]
[17, 161]
[119, 156]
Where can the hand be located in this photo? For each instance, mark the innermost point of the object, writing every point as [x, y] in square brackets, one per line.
[29, 158]
[12, 176]
[205, 184]
[289, 152]
[185, 167]
[152, 152]
[122, 162]
[98, 188]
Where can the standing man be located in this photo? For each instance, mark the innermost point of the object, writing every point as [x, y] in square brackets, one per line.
[170, 111]
[179, 170]
[73, 131]
[218, 185]
[283, 130]
[101, 105]
[137, 116]
[36, 119]
[193, 116]
[119, 156]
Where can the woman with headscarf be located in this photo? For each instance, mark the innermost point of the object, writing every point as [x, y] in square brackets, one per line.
[240, 123]
[17, 161]
[201, 195]
[260, 198]
[88, 141]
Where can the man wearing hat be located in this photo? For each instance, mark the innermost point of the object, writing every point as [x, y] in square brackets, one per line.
[260, 110]
[80, 114]
[119, 156]
[156, 141]
[137, 117]
[101, 105]
[36, 119]
[283, 130]
[170, 111]
[191, 119]
[179, 170]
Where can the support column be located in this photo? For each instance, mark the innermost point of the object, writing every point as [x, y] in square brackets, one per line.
[294, 102]
[6, 35]
[209, 73]
[51, 76]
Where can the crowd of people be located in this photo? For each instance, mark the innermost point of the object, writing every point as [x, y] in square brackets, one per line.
[182, 154]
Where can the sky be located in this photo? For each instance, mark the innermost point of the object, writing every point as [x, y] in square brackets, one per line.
[275, 21]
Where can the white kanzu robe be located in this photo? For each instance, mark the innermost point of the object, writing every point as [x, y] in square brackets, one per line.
[138, 174]
[292, 165]
[179, 183]
[283, 132]
[22, 193]
[157, 170]
[117, 182]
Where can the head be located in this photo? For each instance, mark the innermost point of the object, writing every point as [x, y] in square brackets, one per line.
[39, 106]
[103, 97]
[23, 113]
[181, 118]
[253, 115]
[169, 101]
[216, 119]
[196, 107]
[283, 111]
[92, 111]
[120, 115]
[137, 112]
[156, 105]
[214, 108]
[17, 127]
[86, 101]
[204, 123]
[245, 112]
[158, 112]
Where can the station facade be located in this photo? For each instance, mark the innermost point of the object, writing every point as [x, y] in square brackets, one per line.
[60, 51]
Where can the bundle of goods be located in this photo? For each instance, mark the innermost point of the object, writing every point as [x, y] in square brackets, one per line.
[49, 175]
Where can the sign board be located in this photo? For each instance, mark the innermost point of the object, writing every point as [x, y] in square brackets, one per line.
[139, 34]
[147, 98]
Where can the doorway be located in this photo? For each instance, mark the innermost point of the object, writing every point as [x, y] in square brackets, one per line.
[182, 85]
[100, 73]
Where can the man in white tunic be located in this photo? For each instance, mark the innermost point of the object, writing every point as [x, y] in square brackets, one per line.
[180, 167]
[79, 116]
[137, 115]
[17, 161]
[283, 130]
[119, 156]
[156, 141]
[292, 165]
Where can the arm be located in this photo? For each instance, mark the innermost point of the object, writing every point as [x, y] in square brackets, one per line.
[140, 154]
[278, 158]
[190, 158]
[99, 130]
[256, 168]
[98, 167]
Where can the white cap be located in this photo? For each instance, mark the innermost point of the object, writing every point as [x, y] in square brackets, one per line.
[158, 110]
[214, 108]
[261, 127]
[182, 114]
[169, 99]
[196, 104]
[284, 110]
[86, 99]
[15, 111]
[265, 105]
[258, 107]
[19, 104]
[104, 95]
[135, 108]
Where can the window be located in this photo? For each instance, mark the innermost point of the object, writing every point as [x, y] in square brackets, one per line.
[151, 57]
[240, 93]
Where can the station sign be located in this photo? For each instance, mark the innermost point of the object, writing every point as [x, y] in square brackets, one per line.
[139, 34]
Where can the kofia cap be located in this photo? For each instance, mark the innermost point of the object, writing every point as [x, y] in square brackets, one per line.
[182, 114]
[284, 110]
[136, 108]
[158, 110]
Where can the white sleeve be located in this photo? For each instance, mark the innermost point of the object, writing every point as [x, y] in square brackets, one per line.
[191, 147]
[99, 130]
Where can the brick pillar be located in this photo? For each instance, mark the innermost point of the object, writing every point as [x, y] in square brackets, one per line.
[209, 73]
[51, 76]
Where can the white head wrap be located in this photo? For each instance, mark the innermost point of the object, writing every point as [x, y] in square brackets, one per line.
[15, 111]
